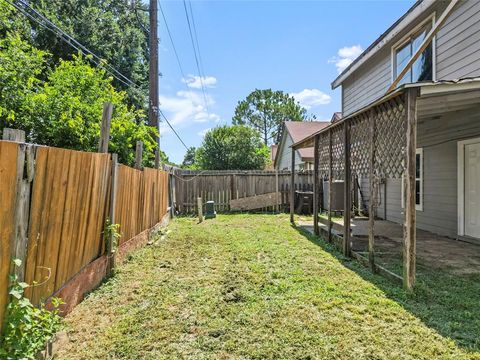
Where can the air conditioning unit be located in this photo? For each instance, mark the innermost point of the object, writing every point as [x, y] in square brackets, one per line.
[337, 195]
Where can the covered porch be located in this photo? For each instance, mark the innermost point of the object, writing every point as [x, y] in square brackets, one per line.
[379, 146]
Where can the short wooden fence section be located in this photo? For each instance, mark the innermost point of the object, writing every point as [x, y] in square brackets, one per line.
[224, 186]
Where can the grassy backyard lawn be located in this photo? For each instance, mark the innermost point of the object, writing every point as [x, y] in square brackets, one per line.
[253, 287]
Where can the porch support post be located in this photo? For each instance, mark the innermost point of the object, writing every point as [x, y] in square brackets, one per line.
[372, 201]
[347, 194]
[409, 230]
[315, 185]
[330, 184]
[292, 189]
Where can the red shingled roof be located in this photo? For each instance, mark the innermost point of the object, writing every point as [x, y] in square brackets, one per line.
[299, 130]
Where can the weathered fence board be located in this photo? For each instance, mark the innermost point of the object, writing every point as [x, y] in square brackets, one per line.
[224, 186]
[66, 208]
[69, 203]
[137, 207]
[255, 202]
[8, 171]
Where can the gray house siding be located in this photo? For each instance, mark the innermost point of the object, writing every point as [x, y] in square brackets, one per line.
[367, 84]
[285, 154]
[458, 43]
[438, 138]
[457, 47]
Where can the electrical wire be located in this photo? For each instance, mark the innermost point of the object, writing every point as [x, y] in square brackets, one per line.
[171, 127]
[195, 54]
[196, 39]
[70, 41]
[171, 40]
[84, 50]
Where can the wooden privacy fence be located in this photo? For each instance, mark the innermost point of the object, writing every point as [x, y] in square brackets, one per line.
[54, 207]
[223, 186]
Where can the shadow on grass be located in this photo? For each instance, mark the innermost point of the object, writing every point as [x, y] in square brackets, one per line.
[444, 301]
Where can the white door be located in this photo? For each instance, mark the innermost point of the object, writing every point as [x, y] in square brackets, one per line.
[472, 190]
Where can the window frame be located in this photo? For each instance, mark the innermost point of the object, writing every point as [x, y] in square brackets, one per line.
[406, 39]
[418, 207]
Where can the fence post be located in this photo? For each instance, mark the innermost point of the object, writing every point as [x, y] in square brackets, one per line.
[105, 129]
[409, 229]
[316, 230]
[113, 199]
[292, 189]
[347, 211]
[157, 159]
[372, 202]
[277, 206]
[19, 239]
[13, 135]
[139, 155]
[200, 209]
[330, 184]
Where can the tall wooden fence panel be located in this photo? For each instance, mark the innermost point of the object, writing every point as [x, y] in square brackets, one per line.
[66, 196]
[8, 175]
[223, 186]
[142, 200]
[68, 209]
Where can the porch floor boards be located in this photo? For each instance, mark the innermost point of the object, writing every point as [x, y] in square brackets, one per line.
[433, 250]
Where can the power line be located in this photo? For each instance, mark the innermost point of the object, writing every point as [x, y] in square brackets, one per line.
[196, 38]
[48, 25]
[171, 40]
[81, 48]
[171, 127]
[195, 53]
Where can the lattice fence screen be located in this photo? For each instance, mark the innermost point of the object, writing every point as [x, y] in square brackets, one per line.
[323, 153]
[360, 143]
[338, 150]
[390, 138]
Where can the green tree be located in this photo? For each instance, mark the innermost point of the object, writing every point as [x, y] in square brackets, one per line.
[20, 67]
[266, 110]
[115, 30]
[189, 159]
[232, 148]
[67, 112]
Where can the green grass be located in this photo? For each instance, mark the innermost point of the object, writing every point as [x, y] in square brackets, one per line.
[253, 287]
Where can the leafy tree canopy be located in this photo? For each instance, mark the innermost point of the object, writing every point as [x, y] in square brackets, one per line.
[232, 148]
[115, 30]
[189, 159]
[65, 108]
[266, 110]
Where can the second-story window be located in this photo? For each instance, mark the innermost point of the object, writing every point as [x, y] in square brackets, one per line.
[422, 68]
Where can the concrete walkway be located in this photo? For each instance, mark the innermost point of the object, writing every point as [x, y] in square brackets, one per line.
[434, 250]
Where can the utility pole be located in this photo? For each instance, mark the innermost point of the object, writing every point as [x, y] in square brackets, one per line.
[153, 108]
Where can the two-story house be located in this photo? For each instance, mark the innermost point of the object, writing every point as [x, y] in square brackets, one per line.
[411, 126]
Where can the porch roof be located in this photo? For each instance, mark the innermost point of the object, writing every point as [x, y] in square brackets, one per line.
[435, 97]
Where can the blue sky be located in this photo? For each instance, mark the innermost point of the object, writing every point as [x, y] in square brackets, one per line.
[295, 46]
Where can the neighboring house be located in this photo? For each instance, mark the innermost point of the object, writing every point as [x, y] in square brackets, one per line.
[292, 132]
[448, 130]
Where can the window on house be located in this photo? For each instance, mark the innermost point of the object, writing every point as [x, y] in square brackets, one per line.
[422, 68]
[418, 181]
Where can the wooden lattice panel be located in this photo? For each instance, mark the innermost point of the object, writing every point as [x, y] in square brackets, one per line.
[360, 143]
[390, 138]
[323, 153]
[338, 150]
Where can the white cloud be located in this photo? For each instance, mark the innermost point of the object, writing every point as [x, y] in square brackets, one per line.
[186, 108]
[309, 98]
[345, 56]
[203, 132]
[195, 82]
